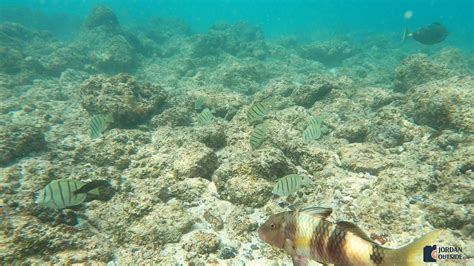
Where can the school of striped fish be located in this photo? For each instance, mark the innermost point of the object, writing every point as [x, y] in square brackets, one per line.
[65, 193]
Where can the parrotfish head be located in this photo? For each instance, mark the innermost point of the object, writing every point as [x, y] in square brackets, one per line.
[273, 231]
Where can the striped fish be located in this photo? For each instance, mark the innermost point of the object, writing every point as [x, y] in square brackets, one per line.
[99, 124]
[259, 110]
[199, 103]
[64, 193]
[290, 184]
[258, 135]
[313, 130]
[205, 117]
[307, 235]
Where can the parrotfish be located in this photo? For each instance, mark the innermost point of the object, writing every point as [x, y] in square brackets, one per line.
[306, 235]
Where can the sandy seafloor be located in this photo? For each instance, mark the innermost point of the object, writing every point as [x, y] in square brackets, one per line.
[397, 160]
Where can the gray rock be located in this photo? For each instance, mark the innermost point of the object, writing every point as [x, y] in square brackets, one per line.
[314, 89]
[202, 243]
[17, 141]
[195, 159]
[165, 224]
[415, 70]
[227, 252]
[443, 104]
[129, 102]
[360, 157]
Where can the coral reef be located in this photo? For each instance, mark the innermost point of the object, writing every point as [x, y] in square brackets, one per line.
[19, 140]
[443, 104]
[395, 157]
[128, 101]
[314, 89]
[329, 53]
[101, 16]
[415, 70]
[240, 39]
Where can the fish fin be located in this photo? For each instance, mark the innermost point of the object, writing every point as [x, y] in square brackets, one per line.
[94, 192]
[320, 212]
[406, 34]
[299, 261]
[350, 227]
[91, 185]
[412, 254]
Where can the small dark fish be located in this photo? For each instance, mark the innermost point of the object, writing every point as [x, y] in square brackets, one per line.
[306, 235]
[431, 34]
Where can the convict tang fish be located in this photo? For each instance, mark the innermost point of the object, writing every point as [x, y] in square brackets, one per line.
[307, 235]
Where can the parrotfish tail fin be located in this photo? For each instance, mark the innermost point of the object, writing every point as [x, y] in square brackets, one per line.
[406, 34]
[412, 254]
[92, 186]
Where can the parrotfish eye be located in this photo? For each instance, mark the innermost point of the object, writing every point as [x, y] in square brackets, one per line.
[273, 225]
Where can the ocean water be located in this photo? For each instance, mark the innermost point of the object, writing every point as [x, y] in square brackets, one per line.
[180, 132]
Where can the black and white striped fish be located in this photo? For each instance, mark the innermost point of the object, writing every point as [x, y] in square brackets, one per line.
[64, 193]
[200, 103]
[259, 110]
[205, 117]
[99, 124]
[313, 130]
[290, 184]
[258, 135]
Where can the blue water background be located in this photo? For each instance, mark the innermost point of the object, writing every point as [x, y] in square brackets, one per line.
[312, 19]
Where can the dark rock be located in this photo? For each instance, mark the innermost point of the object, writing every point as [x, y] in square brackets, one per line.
[353, 131]
[314, 89]
[227, 252]
[101, 16]
[328, 53]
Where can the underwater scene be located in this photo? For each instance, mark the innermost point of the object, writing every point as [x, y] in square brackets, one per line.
[237, 132]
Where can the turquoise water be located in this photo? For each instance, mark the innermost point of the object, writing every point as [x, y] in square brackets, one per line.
[317, 18]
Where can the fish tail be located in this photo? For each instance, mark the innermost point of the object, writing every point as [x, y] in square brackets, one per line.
[412, 254]
[92, 186]
[406, 34]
